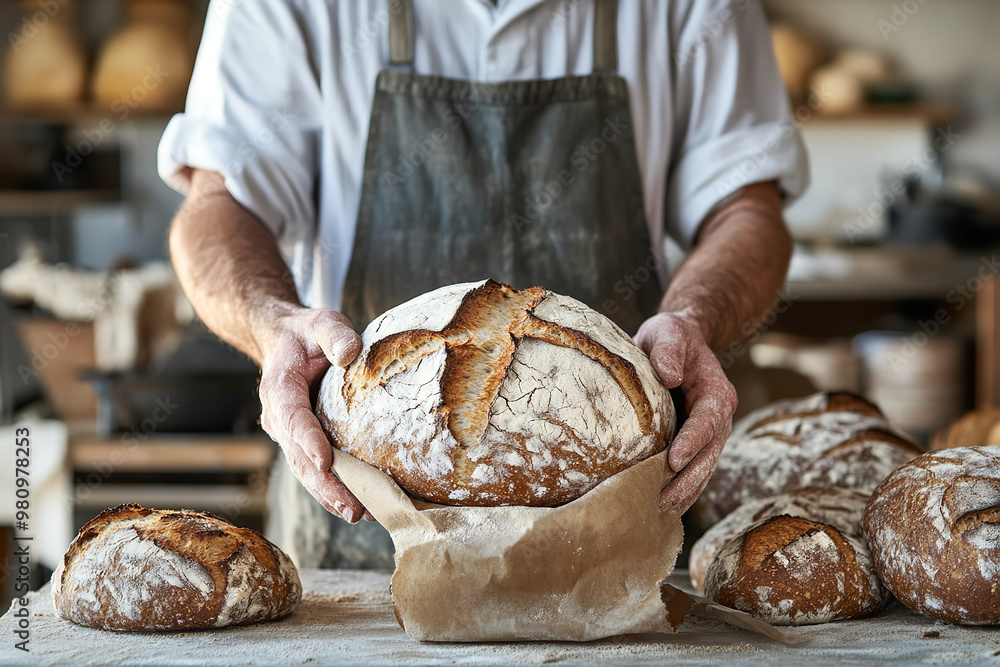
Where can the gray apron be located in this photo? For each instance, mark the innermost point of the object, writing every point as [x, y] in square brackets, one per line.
[527, 182]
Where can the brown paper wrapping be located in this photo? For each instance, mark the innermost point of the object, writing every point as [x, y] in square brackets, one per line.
[590, 569]
[586, 570]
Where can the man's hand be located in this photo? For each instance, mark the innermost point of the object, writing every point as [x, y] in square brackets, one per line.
[296, 355]
[682, 358]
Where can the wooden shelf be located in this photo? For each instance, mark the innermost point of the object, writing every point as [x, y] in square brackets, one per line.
[202, 453]
[79, 113]
[934, 114]
[46, 202]
[218, 498]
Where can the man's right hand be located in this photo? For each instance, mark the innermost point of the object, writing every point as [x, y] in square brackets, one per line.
[297, 352]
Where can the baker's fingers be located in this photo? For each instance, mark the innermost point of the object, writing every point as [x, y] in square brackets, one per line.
[683, 490]
[666, 342]
[324, 486]
[287, 416]
[711, 401]
[710, 417]
[333, 332]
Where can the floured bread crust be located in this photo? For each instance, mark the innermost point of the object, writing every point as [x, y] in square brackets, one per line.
[827, 439]
[480, 394]
[840, 508]
[793, 571]
[934, 530]
[138, 569]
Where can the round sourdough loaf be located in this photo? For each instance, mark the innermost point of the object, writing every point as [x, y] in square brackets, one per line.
[481, 394]
[793, 571]
[138, 569]
[934, 530]
[827, 439]
[840, 508]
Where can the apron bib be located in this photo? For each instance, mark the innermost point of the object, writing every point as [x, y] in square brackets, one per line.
[526, 182]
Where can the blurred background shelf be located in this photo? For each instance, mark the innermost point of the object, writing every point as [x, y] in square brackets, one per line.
[49, 202]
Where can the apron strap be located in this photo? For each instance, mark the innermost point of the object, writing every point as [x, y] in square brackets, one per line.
[400, 32]
[605, 35]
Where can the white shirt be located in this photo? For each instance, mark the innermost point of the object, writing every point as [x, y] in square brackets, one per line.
[282, 91]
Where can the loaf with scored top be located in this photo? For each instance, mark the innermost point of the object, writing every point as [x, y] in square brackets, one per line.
[481, 394]
[828, 439]
[137, 569]
[794, 559]
[934, 530]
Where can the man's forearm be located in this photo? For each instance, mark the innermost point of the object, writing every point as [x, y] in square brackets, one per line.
[737, 267]
[230, 267]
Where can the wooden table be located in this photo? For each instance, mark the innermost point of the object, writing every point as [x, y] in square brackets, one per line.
[346, 618]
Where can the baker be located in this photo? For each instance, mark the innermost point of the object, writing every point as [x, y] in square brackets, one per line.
[342, 157]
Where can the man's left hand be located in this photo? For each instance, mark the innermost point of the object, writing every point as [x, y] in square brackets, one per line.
[677, 349]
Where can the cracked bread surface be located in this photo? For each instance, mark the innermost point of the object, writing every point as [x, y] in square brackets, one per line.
[934, 530]
[826, 439]
[481, 394]
[132, 568]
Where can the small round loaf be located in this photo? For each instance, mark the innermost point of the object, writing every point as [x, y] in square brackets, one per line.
[934, 530]
[827, 439]
[481, 394]
[840, 508]
[137, 569]
[791, 571]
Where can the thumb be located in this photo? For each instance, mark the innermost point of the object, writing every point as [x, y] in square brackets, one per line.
[668, 360]
[338, 340]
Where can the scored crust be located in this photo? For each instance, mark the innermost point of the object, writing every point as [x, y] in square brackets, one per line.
[137, 569]
[827, 439]
[792, 571]
[481, 394]
[934, 530]
[839, 508]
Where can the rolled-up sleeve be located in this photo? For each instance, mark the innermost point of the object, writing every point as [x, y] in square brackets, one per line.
[733, 125]
[252, 114]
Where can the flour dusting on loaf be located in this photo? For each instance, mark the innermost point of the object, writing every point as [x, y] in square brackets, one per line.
[840, 508]
[934, 529]
[480, 394]
[137, 569]
[792, 571]
[827, 439]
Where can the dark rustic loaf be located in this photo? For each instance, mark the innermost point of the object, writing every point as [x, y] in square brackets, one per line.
[934, 530]
[481, 394]
[788, 570]
[138, 569]
[840, 508]
[827, 439]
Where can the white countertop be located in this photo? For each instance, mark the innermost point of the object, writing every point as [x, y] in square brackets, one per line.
[346, 618]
